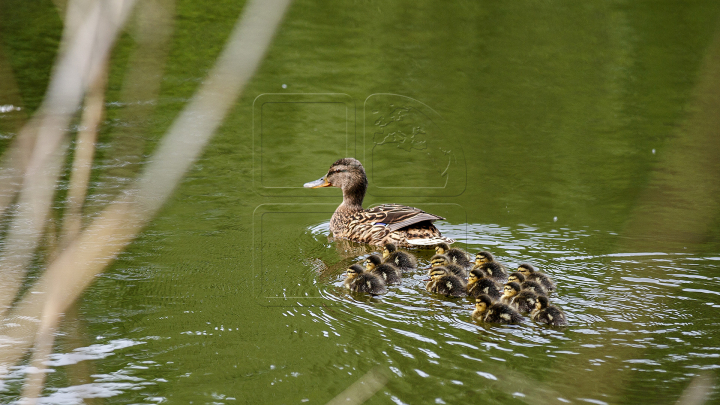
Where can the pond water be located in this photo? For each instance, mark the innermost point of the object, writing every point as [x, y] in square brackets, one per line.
[574, 136]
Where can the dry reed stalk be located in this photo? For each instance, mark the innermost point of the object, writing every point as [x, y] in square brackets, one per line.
[81, 60]
[86, 256]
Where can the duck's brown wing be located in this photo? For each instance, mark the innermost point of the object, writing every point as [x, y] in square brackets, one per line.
[396, 216]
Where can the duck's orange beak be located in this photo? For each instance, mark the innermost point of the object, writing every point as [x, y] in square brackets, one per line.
[321, 182]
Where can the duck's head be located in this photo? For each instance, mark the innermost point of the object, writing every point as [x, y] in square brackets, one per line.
[516, 277]
[482, 303]
[437, 272]
[541, 303]
[511, 289]
[475, 276]
[354, 271]
[371, 262]
[484, 257]
[442, 248]
[388, 249]
[526, 269]
[347, 173]
[439, 260]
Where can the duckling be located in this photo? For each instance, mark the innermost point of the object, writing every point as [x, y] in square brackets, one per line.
[444, 282]
[526, 285]
[457, 256]
[511, 289]
[479, 284]
[524, 301]
[494, 270]
[533, 275]
[402, 260]
[359, 280]
[482, 303]
[444, 261]
[548, 314]
[487, 257]
[389, 273]
[494, 313]
[516, 277]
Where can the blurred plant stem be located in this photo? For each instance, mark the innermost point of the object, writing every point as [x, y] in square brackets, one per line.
[32, 320]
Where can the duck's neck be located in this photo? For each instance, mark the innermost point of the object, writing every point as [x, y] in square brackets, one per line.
[353, 197]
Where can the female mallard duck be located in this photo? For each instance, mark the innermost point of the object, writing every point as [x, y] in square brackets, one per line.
[359, 280]
[548, 314]
[494, 270]
[443, 282]
[457, 256]
[479, 284]
[402, 260]
[388, 223]
[488, 312]
[389, 273]
[444, 261]
[533, 275]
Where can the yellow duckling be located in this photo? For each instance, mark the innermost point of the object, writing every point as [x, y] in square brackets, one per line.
[531, 274]
[456, 255]
[402, 260]
[548, 314]
[488, 312]
[359, 280]
[487, 257]
[510, 290]
[389, 273]
[444, 261]
[443, 282]
[479, 284]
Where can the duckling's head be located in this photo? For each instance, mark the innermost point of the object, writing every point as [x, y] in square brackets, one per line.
[484, 257]
[511, 289]
[354, 271]
[541, 303]
[526, 269]
[439, 260]
[474, 276]
[482, 302]
[372, 261]
[442, 248]
[347, 174]
[516, 277]
[388, 249]
[437, 272]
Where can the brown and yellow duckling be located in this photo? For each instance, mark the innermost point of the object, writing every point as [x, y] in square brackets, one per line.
[444, 282]
[479, 284]
[493, 270]
[389, 273]
[531, 274]
[359, 280]
[402, 260]
[444, 261]
[548, 314]
[527, 285]
[456, 255]
[487, 257]
[510, 290]
[488, 312]
[388, 223]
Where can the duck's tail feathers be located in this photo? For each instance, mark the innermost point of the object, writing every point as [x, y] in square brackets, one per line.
[435, 240]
